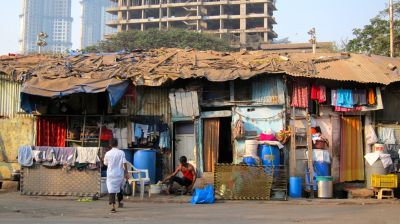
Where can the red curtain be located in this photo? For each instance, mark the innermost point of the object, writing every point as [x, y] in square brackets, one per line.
[51, 131]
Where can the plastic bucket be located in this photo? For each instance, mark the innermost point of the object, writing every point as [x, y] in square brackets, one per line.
[295, 187]
[251, 147]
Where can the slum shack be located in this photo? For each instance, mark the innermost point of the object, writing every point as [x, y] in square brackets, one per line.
[257, 125]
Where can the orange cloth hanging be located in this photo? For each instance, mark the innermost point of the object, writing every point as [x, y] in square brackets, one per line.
[371, 96]
[351, 152]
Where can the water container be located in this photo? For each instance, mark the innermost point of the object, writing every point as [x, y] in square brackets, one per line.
[322, 168]
[270, 155]
[325, 187]
[128, 155]
[251, 148]
[103, 187]
[295, 187]
[376, 168]
[146, 159]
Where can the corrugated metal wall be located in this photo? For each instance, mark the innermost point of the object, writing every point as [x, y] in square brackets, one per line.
[151, 101]
[268, 90]
[9, 97]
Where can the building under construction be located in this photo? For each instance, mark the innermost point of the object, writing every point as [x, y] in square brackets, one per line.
[246, 23]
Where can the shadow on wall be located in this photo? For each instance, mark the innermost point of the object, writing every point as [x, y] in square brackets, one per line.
[3, 154]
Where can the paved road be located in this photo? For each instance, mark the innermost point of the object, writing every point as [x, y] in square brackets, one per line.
[23, 209]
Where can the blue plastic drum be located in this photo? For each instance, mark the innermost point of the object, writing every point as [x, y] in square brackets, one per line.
[270, 155]
[146, 159]
[295, 187]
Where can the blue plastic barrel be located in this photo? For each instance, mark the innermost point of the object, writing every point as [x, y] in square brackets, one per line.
[128, 155]
[295, 187]
[250, 161]
[322, 168]
[270, 155]
[146, 159]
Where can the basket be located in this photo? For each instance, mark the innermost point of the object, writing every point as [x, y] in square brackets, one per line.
[384, 181]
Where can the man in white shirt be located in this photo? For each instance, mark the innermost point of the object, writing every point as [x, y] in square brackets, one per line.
[116, 170]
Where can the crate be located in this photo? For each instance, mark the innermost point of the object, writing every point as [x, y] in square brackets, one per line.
[384, 181]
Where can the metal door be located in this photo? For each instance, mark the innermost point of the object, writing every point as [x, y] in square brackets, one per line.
[185, 142]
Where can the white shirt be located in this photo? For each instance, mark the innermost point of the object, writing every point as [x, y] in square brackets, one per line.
[114, 160]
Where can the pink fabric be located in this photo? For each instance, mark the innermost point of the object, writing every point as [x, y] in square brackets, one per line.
[265, 137]
[322, 94]
[300, 95]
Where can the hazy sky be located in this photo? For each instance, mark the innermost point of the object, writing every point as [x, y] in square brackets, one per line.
[333, 19]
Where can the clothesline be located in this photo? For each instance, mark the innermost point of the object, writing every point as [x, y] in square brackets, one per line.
[275, 117]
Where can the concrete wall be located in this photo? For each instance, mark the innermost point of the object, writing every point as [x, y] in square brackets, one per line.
[13, 133]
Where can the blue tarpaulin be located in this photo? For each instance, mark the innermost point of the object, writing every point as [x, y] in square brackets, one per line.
[36, 88]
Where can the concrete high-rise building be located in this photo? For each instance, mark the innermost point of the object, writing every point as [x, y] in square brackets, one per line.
[94, 19]
[244, 22]
[50, 16]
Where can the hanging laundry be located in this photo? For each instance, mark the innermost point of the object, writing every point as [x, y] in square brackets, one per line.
[66, 156]
[322, 94]
[378, 102]
[314, 92]
[87, 155]
[333, 97]
[25, 156]
[144, 129]
[360, 97]
[164, 140]
[370, 135]
[345, 98]
[371, 96]
[386, 135]
[300, 95]
[318, 93]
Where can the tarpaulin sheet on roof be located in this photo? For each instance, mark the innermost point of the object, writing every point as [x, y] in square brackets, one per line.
[36, 86]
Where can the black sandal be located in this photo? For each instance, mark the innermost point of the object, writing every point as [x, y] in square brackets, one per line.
[113, 210]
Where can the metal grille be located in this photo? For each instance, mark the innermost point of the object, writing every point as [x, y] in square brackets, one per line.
[242, 182]
[38, 180]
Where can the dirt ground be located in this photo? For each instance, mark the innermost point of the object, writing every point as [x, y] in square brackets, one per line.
[15, 208]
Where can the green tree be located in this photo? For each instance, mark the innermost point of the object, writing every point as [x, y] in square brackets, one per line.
[374, 38]
[154, 38]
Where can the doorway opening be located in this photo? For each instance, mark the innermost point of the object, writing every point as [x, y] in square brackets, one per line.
[217, 145]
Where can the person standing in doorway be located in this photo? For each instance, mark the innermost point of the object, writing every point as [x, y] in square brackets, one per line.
[116, 171]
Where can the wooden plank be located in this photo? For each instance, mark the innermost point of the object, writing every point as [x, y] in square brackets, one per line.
[185, 112]
[172, 103]
[187, 101]
[195, 100]
[310, 153]
[178, 101]
[215, 114]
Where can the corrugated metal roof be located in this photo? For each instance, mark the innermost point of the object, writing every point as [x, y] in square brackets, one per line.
[155, 67]
[357, 68]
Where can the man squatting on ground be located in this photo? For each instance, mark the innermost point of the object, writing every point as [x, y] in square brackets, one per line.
[116, 171]
[189, 175]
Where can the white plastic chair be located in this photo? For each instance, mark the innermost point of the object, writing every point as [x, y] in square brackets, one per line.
[140, 176]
